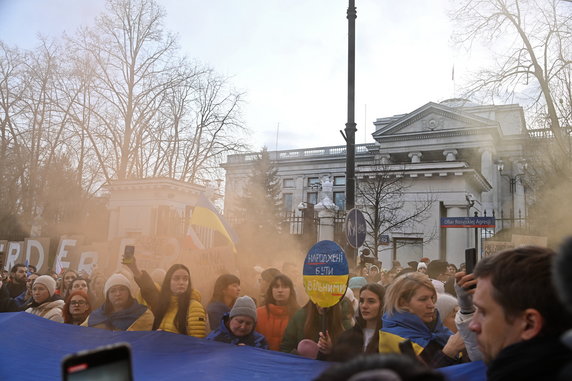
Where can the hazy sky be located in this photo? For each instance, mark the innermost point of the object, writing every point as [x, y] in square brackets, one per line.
[290, 56]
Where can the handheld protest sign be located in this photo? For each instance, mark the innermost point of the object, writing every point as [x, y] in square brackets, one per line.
[326, 273]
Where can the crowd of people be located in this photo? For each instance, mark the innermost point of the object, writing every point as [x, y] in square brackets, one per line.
[508, 313]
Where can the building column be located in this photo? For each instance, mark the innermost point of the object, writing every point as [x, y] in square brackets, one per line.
[450, 154]
[456, 237]
[415, 157]
[488, 170]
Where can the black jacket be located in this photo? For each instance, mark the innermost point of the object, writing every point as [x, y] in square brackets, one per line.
[541, 358]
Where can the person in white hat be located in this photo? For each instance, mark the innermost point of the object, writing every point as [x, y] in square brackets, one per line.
[120, 312]
[44, 301]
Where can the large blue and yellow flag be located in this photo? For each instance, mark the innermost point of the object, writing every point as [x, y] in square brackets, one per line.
[206, 215]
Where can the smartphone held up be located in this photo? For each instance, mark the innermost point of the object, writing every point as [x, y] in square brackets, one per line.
[128, 254]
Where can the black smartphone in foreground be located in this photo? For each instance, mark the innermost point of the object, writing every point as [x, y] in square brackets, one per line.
[470, 260]
[110, 363]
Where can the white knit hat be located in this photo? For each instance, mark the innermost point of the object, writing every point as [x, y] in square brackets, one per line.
[244, 306]
[116, 280]
[47, 281]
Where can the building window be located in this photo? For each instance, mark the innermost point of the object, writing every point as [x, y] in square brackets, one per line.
[312, 198]
[340, 200]
[339, 180]
[287, 201]
[313, 181]
[288, 183]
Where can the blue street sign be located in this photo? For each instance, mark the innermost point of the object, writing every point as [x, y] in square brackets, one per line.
[467, 222]
[383, 239]
[355, 228]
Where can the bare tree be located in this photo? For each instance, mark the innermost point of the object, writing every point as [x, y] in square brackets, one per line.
[532, 39]
[389, 204]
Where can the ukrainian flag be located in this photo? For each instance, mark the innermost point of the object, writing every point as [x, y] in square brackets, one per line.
[206, 215]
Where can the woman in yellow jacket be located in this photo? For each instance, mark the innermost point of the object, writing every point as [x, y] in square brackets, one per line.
[174, 307]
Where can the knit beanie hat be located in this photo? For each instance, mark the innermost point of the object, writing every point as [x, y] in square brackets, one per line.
[244, 306]
[47, 281]
[445, 304]
[421, 265]
[357, 282]
[116, 280]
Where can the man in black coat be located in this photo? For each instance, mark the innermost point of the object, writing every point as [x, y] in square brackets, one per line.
[519, 318]
[17, 283]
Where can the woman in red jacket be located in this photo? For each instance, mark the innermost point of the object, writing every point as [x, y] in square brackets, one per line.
[280, 305]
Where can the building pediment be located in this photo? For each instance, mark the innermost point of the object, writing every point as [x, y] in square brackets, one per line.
[432, 120]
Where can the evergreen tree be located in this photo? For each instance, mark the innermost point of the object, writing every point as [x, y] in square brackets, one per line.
[261, 204]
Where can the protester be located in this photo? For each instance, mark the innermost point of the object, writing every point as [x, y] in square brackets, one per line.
[76, 308]
[238, 326]
[67, 278]
[422, 267]
[364, 336]
[437, 271]
[226, 291]
[17, 282]
[280, 305]
[120, 312]
[306, 324]
[563, 282]
[374, 275]
[264, 280]
[79, 284]
[355, 284]
[519, 319]
[25, 298]
[389, 367]
[447, 306]
[45, 301]
[409, 313]
[451, 270]
[96, 286]
[174, 307]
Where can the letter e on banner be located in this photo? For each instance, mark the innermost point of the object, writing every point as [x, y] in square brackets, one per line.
[62, 254]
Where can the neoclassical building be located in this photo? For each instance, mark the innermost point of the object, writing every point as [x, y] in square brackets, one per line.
[459, 156]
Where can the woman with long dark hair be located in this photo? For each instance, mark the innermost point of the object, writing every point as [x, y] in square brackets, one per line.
[306, 325]
[280, 305]
[364, 336]
[226, 291]
[173, 306]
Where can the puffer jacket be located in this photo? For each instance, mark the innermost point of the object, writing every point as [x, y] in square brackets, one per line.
[196, 318]
[224, 335]
[51, 310]
[272, 322]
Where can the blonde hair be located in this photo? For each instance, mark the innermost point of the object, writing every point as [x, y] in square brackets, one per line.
[402, 290]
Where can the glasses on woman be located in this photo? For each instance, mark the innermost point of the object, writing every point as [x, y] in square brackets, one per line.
[78, 302]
